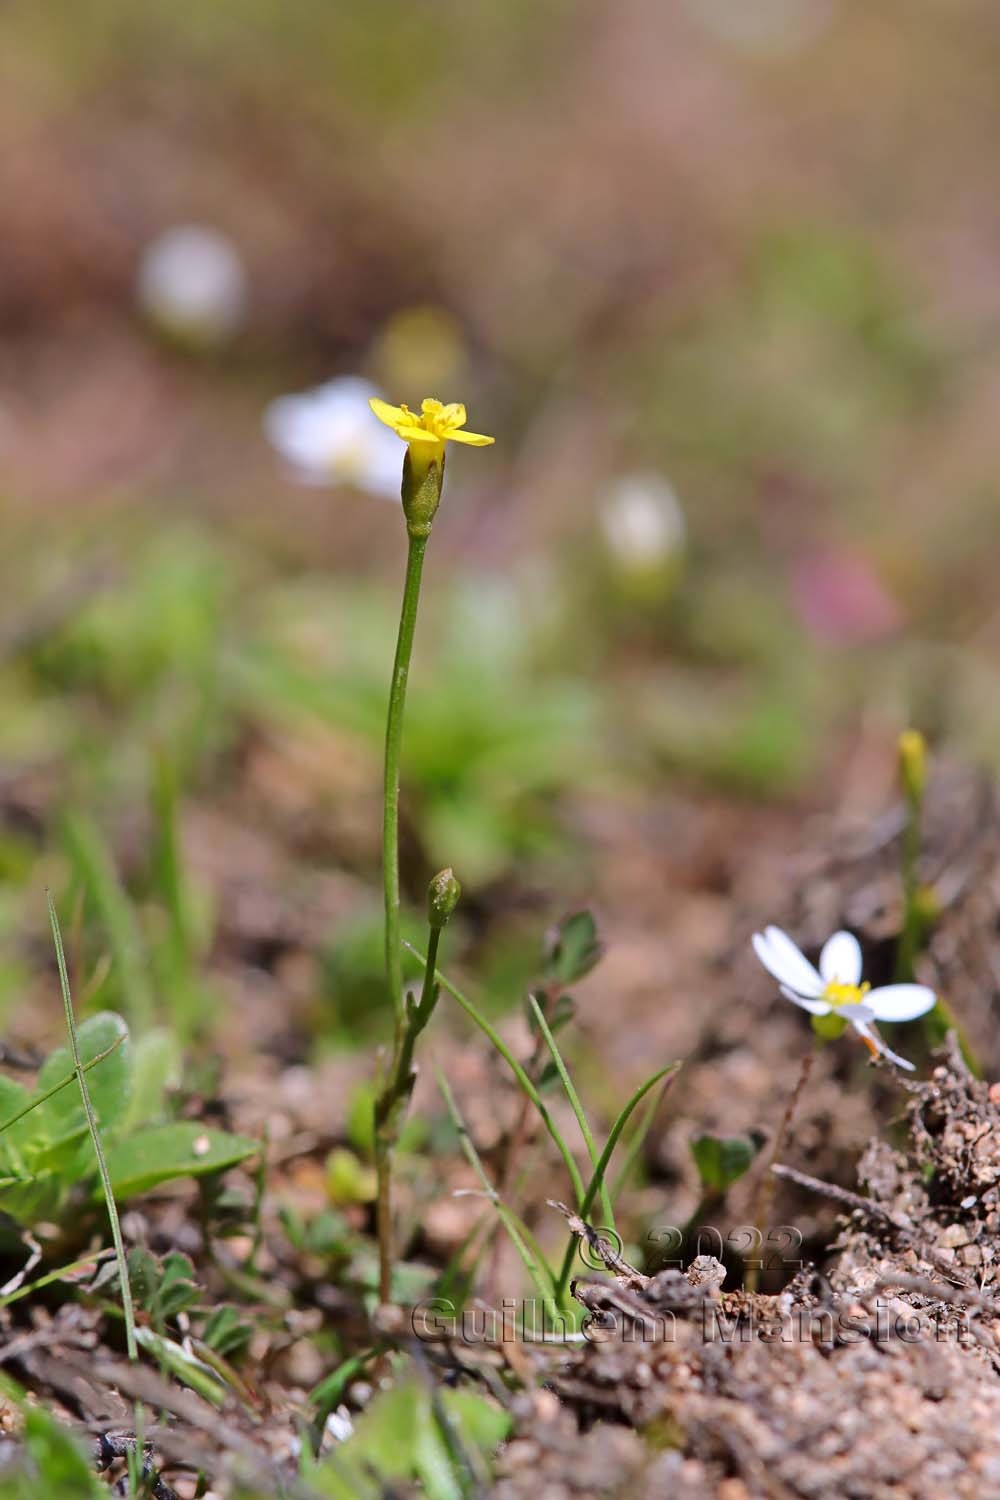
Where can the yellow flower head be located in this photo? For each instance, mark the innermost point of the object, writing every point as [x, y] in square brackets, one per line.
[425, 436]
[436, 425]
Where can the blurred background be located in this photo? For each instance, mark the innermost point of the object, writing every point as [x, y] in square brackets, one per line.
[723, 279]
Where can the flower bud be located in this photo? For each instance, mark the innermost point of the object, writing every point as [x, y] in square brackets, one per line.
[423, 476]
[442, 897]
[912, 749]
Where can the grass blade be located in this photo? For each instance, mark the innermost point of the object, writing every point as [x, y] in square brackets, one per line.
[634, 1145]
[524, 1081]
[575, 1104]
[521, 1237]
[96, 870]
[50, 1276]
[95, 1136]
[602, 1166]
[63, 1083]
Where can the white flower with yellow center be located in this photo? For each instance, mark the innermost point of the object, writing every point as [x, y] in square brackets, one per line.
[835, 988]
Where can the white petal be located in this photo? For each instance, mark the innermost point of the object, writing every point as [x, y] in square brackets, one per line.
[840, 961]
[814, 1007]
[900, 1002]
[885, 1051]
[788, 965]
[855, 1012]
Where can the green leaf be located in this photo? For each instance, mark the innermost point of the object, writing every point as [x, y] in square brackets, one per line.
[572, 948]
[227, 1332]
[723, 1160]
[156, 1067]
[63, 1117]
[399, 1437]
[60, 1464]
[184, 1149]
[14, 1097]
[94, 863]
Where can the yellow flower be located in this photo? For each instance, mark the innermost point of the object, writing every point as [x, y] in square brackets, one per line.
[425, 437]
[436, 425]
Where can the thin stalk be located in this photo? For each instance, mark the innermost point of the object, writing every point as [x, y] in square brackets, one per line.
[575, 1104]
[50, 1276]
[635, 1146]
[385, 1102]
[95, 1135]
[765, 1192]
[63, 1083]
[393, 751]
[390, 1106]
[911, 936]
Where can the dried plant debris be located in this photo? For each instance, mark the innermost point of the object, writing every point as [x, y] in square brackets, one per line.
[878, 1376]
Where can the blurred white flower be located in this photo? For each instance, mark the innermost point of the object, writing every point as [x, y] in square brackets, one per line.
[836, 989]
[193, 285]
[642, 523]
[329, 436]
[772, 28]
[338, 1428]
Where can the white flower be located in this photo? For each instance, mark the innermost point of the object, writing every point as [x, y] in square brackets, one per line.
[836, 989]
[193, 284]
[338, 1428]
[642, 522]
[328, 436]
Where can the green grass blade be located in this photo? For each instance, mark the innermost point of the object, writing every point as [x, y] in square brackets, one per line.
[95, 867]
[95, 1135]
[521, 1237]
[575, 1104]
[524, 1081]
[602, 1166]
[63, 1083]
[634, 1145]
[50, 1276]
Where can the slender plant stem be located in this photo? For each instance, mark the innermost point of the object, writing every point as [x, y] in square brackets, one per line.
[574, 1099]
[390, 1105]
[95, 1135]
[62, 1084]
[393, 750]
[765, 1191]
[912, 933]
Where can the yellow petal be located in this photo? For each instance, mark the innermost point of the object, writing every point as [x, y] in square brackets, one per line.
[418, 435]
[453, 415]
[393, 416]
[430, 407]
[474, 439]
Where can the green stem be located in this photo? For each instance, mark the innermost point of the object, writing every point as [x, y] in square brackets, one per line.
[95, 1136]
[62, 1084]
[390, 1106]
[387, 1096]
[912, 933]
[574, 1100]
[393, 749]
